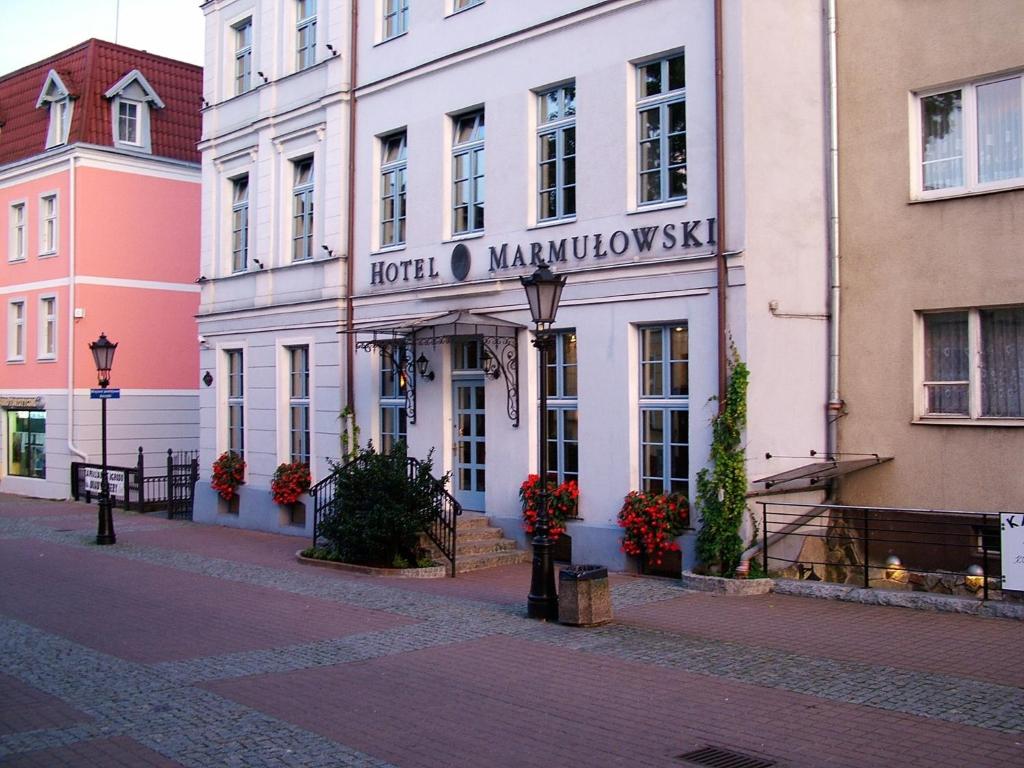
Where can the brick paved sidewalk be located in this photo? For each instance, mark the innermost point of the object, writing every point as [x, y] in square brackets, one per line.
[188, 645]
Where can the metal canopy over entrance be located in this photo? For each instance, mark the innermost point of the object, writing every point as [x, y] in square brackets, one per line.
[817, 473]
[402, 343]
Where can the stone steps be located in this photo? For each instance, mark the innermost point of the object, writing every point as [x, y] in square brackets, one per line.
[480, 545]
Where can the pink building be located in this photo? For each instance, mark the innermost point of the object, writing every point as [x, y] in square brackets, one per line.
[100, 202]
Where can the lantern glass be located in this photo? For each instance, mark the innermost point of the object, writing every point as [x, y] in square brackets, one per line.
[103, 355]
[543, 293]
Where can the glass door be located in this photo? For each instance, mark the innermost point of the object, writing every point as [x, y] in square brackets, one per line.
[470, 476]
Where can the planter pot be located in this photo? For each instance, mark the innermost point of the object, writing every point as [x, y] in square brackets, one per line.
[671, 565]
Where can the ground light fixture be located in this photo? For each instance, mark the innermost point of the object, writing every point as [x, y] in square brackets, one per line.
[543, 292]
[103, 355]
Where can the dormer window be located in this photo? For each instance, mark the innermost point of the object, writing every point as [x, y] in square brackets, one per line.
[56, 97]
[132, 100]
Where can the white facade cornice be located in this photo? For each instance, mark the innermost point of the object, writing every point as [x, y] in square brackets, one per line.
[96, 156]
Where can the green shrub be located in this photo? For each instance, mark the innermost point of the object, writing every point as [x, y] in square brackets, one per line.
[379, 511]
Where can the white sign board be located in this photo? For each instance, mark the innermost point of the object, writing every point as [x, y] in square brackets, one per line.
[1011, 528]
[94, 480]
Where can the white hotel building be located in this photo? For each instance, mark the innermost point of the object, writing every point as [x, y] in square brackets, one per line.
[489, 136]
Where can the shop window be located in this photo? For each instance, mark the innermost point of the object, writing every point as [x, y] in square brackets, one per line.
[26, 444]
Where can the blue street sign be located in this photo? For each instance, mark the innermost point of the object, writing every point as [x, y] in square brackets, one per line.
[105, 394]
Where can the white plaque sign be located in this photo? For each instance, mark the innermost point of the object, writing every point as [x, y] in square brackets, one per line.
[94, 480]
[1011, 528]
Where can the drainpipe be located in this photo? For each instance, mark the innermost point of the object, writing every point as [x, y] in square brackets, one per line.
[721, 267]
[835, 403]
[350, 340]
[72, 236]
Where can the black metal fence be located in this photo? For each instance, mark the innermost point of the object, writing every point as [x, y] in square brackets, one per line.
[927, 550]
[173, 490]
[442, 529]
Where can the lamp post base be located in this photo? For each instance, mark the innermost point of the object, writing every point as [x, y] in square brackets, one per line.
[542, 602]
[105, 528]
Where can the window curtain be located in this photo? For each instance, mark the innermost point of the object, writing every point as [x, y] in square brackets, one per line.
[999, 131]
[1002, 362]
[946, 359]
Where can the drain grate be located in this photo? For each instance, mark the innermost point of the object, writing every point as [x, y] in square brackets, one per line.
[716, 757]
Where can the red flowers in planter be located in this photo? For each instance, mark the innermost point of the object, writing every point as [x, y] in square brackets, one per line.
[228, 474]
[563, 502]
[290, 481]
[652, 521]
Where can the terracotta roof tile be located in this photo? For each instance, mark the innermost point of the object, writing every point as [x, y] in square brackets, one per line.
[88, 70]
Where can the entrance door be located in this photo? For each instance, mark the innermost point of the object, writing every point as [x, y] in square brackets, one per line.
[469, 446]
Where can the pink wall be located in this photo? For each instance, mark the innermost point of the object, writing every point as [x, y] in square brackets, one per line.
[35, 268]
[35, 373]
[155, 332]
[137, 227]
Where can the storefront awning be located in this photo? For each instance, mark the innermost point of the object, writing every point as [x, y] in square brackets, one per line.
[816, 474]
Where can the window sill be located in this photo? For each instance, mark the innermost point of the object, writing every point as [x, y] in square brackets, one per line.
[18, 260]
[931, 197]
[457, 11]
[552, 223]
[46, 359]
[465, 236]
[388, 249]
[47, 254]
[657, 207]
[15, 360]
[386, 40]
[956, 421]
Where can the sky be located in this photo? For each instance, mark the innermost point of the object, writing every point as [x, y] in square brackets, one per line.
[31, 30]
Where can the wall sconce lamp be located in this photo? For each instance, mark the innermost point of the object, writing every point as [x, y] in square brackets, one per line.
[423, 367]
[260, 73]
[330, 48]
[328, 250]
[893, 567]
[491, 368]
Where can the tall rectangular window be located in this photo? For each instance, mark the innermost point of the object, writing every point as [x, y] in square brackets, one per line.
[393, 166]
[396, 18]
[298, 403]
[468, 192]
[47, 224]
[993, 387]
[563, 410]
[302, 210]
[128, 122]
[26, 443]
[16, 331]
[392, 396]
[305, 33]
[243, 56]
[235, 363]
[240, 224]
[661, 130]
[16, 241]
[48, 328]
[556, 153]
[664, 409]
[971, 137]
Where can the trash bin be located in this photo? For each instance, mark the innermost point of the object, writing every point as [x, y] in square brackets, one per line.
[584, 598]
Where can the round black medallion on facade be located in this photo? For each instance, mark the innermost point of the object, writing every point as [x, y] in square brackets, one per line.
[460, 261]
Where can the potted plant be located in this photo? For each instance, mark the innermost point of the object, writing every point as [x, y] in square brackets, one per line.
[651, 523]
[228, 473]
[290, 481]
[563, 504]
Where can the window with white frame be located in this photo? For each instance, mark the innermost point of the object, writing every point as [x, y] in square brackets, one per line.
[234, 362]
[393, 169]
[395, 18]
[243, 56]
[47, 328]
[664, 409]
[302, 210]
[393, 382]
[26, 443]
[47, 224]
[16, 330]
[468, 192]
[128, 122]
[971, 137]
[563, 409]
[305, 33]
[992, 387]
[240, 223]
[661, 130]
[556, 153]
[16, 249]
[56, 97]
[298, 403]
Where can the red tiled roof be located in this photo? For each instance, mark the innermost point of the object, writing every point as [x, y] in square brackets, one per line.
[88, 70]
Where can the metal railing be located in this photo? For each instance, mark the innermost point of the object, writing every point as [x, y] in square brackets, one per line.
[883, 546]
[441, 530]
[172, 490]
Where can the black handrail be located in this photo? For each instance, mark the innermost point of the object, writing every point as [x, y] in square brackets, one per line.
[441, 530]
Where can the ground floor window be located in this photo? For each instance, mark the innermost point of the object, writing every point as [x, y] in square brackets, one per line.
[26, 443]
[393, 387]
[665, 409]
[563, 411]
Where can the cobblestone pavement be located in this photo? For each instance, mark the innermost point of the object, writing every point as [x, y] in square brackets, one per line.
[189, 645]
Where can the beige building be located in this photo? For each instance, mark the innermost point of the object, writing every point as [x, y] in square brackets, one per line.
[931, 215]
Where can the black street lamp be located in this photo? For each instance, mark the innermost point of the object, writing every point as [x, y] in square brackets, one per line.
[543, 292]
[103, 354]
